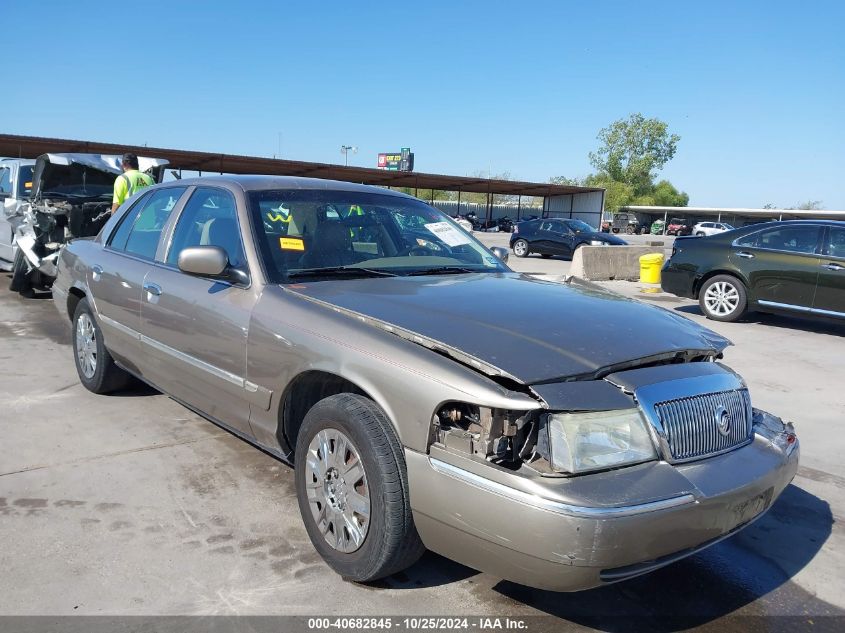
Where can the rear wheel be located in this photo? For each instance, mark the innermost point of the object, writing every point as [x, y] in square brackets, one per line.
[700, 234]
[352, 488]
[723, 298]
[97, 370]
[520, 248]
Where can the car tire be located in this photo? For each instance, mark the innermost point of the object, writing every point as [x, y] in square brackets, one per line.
[96, 368]
[629, 230]
[700, 234]
[615, 230]
[20, 276]
[389, 541]
[521, 249]
[723, 298]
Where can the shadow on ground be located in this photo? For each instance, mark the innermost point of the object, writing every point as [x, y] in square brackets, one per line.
[819, 325]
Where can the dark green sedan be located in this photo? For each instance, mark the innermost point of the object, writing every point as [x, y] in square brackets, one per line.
[793, 267]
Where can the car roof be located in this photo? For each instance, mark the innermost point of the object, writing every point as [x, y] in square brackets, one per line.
[249, 182]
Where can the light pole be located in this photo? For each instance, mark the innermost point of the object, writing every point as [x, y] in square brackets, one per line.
[345, 149]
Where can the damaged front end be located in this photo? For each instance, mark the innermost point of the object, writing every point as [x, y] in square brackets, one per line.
[71, 198]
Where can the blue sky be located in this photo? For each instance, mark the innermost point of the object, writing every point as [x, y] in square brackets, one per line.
[756, 90]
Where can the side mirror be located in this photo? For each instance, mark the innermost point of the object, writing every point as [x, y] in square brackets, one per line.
[210, 261]
[206, 261]
[501, 253]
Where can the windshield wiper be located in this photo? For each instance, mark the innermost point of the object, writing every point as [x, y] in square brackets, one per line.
[334, 271]
[442, 270]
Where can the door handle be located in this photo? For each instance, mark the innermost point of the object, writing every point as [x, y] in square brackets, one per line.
[96, 272]
[745, 254]
[153, 289]
[833, 266]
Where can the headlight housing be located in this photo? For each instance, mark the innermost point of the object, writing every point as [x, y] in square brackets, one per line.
[585, 442]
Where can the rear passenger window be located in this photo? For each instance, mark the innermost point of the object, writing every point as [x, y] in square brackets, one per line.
[836, 242]
[794, 239]
[140, 231]
[210, 218]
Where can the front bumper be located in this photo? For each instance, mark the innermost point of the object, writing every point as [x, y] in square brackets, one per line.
[525, 530]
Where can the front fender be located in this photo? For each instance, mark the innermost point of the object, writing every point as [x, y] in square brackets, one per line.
[289, 336]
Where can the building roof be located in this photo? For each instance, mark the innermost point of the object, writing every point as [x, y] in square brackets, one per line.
[33, 146]
[740, 211]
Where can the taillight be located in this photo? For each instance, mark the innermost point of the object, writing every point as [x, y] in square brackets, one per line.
[516, 228]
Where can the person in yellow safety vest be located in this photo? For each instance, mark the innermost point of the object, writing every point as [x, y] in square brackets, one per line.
[354, 210]
[129, 182]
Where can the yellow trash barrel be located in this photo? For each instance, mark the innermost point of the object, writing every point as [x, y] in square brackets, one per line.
[650, 266]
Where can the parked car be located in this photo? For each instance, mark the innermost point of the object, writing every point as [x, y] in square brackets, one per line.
[678, 226]
[390, 374]
[796, 267]
[71, 196]
[711, 228]
[15, 188]
[462, 222]
[553, 236]
[630, 223]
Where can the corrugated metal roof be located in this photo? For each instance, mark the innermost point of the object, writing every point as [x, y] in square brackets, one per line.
[739, 211]
[33, 146]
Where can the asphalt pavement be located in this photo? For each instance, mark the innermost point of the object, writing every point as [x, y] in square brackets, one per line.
[132, 505]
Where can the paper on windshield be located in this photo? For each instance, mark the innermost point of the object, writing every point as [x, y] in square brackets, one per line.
[448, 234]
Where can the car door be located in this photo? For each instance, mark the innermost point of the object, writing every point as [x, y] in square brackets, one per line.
[830, 293]
[194, 329]
[781, 264]
[548, 238]
[116, 275]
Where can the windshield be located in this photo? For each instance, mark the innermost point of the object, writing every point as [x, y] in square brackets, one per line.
[318, 233]
[578, 225]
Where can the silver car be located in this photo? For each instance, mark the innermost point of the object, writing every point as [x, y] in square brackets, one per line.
[426, 395]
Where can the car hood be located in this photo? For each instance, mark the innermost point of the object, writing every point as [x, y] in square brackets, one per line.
[73, 173]
[519, 327]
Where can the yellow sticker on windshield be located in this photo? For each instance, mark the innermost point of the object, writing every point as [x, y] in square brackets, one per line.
[291, 244]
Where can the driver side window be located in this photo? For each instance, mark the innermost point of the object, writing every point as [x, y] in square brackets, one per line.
[209, 219]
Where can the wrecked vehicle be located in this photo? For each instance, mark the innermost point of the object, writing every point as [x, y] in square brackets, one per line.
[71, 196]
[400, 377]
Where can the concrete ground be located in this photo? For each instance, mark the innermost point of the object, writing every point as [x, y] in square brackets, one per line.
[131, 504]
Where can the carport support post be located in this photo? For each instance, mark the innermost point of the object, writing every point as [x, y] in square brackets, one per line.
[665, 220]
[518, 206]
[459, 201]
[719, 219]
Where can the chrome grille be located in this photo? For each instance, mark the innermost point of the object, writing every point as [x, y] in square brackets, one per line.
[691, 427]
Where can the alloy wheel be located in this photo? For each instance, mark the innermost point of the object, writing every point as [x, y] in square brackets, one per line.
[520, 248]
[337, 490]
[86, 345]
[721, 298]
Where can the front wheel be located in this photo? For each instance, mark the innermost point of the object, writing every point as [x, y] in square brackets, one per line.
[20, 275]
[723, 298]
[700, 234]
[520, 248]
[352, 488]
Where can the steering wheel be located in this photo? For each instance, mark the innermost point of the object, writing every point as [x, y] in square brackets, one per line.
[426, 251]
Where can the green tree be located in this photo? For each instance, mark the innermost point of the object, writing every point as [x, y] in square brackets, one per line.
[810, 205]
[632, 150]
[665, 194]
[617, 194]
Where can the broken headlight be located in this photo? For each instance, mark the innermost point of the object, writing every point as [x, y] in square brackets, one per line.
[582, 442]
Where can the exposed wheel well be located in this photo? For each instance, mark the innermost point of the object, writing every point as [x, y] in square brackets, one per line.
[74, 296]
[304, 392]
[698, 284]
